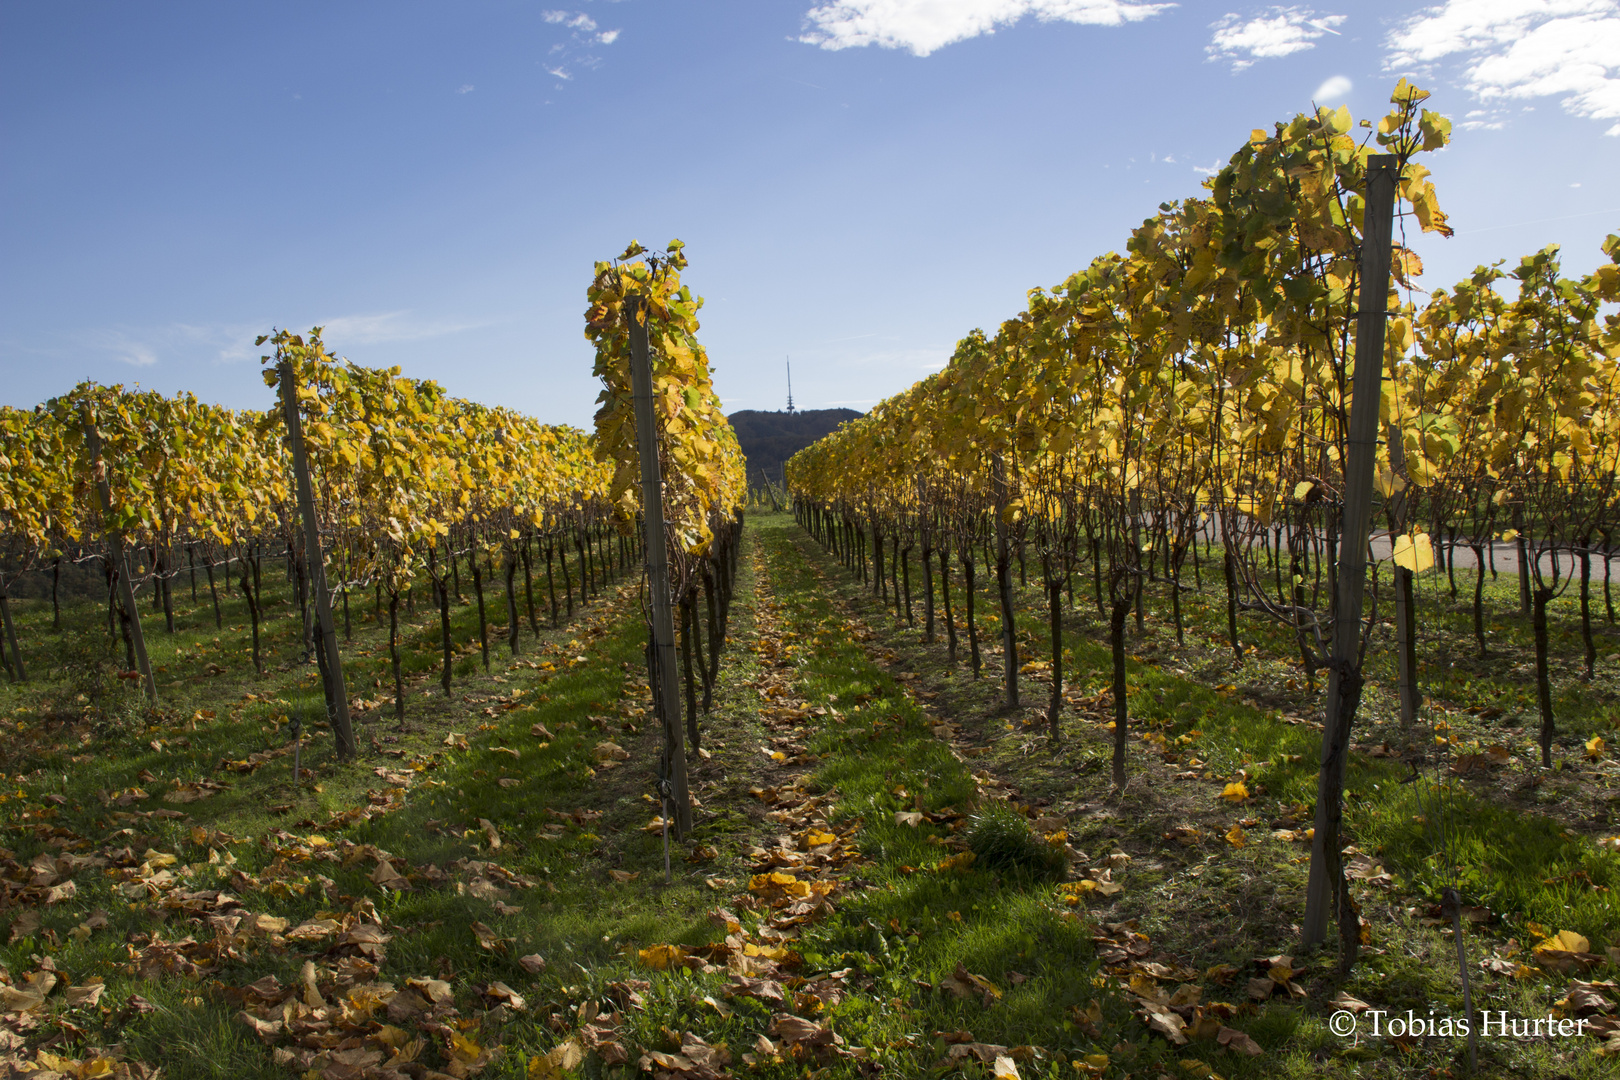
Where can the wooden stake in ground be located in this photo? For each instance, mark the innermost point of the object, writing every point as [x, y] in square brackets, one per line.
[337, 695]
[1344, 671]
[120, 557]
[663, 624]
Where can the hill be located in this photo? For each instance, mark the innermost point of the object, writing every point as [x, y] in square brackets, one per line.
[769, 438]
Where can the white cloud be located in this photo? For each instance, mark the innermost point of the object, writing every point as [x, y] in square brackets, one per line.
[922, 26]
[576, 20]
[1281, 31]
[389, 326]
[142, 347]
[1521, 49]
[572, 52]
[232, 343]
[136, 355]
[465, 88]
[1336, 88]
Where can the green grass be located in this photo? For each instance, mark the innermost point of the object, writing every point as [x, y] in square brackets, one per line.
[903, 925]
[1519, 847]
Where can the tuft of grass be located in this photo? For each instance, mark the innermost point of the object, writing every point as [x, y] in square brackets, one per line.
[1002, 841]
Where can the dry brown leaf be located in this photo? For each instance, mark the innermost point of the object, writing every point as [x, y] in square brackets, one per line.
[490, 833]
[1238, 1042]
[386, 877]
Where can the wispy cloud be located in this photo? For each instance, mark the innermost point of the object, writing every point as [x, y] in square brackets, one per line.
[1280, 31]
[465, 88]
[584, 35]
[1519, 50]
[389, 326]
[232, 343]
[136, 355]
[143, 347]
[922, 26]
[575, 20]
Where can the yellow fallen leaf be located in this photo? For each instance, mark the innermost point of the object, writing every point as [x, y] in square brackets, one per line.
[1235, 792]
[1236, 837]
[562, 1060]
[622, 876]
[1594, 748]
[609, 751]
[1565, 941]
[463, 1049]
[661, 957]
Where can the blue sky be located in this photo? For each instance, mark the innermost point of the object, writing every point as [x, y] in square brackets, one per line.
[859, 182]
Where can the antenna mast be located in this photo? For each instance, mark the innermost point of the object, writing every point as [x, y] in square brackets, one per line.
[790, 383]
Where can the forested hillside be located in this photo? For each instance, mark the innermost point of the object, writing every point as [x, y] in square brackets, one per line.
[769, 438]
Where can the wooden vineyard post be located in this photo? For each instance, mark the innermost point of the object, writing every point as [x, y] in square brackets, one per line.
[115, 545]
[1009, 639]
[1344, 671]
[337, 697]
[663, 624]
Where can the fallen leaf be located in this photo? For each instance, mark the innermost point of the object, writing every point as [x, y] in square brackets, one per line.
[87, 993]
[1238, 1042]
[490, 833]
[662, 957]
[386, 877]
[1344, 1001]
[1565, 941]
